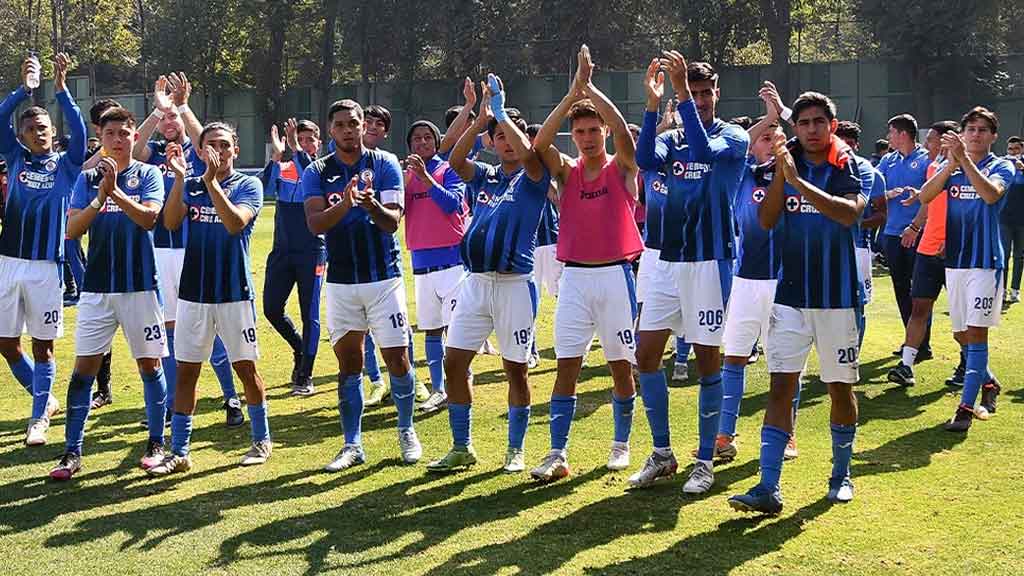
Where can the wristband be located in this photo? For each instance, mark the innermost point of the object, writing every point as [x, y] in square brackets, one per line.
[914, 227]
[96, 203]
[786, 113]
[158, 113]
[183, 108]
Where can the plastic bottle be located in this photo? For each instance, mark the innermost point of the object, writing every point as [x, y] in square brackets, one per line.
[32, 80]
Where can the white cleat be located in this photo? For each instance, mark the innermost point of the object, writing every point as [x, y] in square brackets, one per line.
[36, 433]
[436, 401]
[701, 478]
[410, 445]
[681, 372]
[554, 466]
[349, 456]
[515, 461]
[618, 459]
[258, 453]
[655, 467]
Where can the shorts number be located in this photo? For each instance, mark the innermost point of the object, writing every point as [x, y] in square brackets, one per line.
[983, 303]
[625, 337]
[152, 333]
[397, 320]
[51, 317]
[453, 304]
[847, 355]
[709, 317]
[249, 335]
[522, 337]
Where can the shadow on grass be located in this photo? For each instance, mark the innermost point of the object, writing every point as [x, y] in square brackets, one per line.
[908, 452]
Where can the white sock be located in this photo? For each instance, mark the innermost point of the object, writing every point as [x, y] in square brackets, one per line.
[909, 355]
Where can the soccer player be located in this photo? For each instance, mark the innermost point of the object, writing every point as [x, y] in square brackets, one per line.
[118, 203]
[904, 172]
[976, 180]
[597, 292]
[176, 122]
[298, 257]
[216, 288]
[703, 163]
[457, 120]
[355, 196]
[1011, 219]
[816, 194]
[499, 294]
[32, 238]
[435, 222]
[547, 269]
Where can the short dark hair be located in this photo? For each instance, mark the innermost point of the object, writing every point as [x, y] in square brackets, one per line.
[1014, 140]
[514, 115]
[343, 105]
[381, 113]
[848, 129]
[452, 113]
[881, 144]
[944, 126]
[904, 123]
[218, 126]
[809, 100]
[532, 130]
[744, 122]
[101, 106]
[307, 126]
[31, 112]
[701, 72]
[981, 113]
[116, 114]
[584, 109]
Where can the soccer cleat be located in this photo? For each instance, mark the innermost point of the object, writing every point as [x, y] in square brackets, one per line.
[154, 454]
[1014, 297]
[656, 467]
[961, 420]
[533, 361]
[902, 375]
[758, 499]
[515, 461]
[701, 478]
[378, 392]
[258, 453]
[350, 455]
[924, 355]
[553, 467]
[436, 401]
[840, 490]
[725, 449]
[957, 379]
[233, 412]
[618, 458]
[171, 464]
[898, 352]
[456, 458]
[36, 433]
[989, 392]
[303, 386]
[422, 392]
[69, 465]
[681, 372]
[52, 406]
[790, 452]
[101, 398]
[410, 445]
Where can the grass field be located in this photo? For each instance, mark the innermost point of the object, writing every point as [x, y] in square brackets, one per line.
[928, 502]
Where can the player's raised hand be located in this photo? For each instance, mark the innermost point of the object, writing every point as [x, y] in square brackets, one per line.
[61, 64]
[161, 96]
[212, 160]
[176, 160]
[772, 101]
[276, 143]
[108, 169]
[181, 88]
[783, 158]
[291, 134]
[497, 91]
[485, 103]
[953, 143]
[584, 69]
[417, 167]
[675, 64]
[654, 84]
[469, 92]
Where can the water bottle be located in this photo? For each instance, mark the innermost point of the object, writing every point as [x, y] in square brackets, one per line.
[32, 80]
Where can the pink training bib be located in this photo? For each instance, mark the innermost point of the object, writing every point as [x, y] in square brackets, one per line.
[426, 225]
[596, 218]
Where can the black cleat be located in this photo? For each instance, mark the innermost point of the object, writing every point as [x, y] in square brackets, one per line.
[296, 370]
[989, 392]
[101, 398]
[957, 379]
[961, 421]
[924, 356]
[233, 412]
[902, 375]
[69, 465]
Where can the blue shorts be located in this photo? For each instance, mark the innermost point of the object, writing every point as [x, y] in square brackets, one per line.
[929, 277]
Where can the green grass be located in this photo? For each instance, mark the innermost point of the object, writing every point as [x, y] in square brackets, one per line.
[928, 502]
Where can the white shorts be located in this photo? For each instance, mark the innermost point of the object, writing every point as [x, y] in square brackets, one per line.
[833, 332]
[435, 297]
[863, 256]
[378, 307]
[32, 297]
[746, 316]
[169, 262]
[975, 297]
[596, 299]
[502, 303]
[547, 269]
[139, 314]
[648, 273]
[198, 325]
[689, 299]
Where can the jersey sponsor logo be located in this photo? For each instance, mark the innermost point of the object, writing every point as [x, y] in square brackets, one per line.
[421, 196]
[659, 186]
[758, 195]
[334, 198]
[690, 170]
[37, 180]
[110, 207]
[964, 192]
[204, 214]
[482, 197]
[593, 194]
[801, 205]
[792, 203]
[333, 179]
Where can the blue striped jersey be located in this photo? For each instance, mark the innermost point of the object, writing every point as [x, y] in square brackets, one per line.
[900, 172]
[819, 268]
[972, 225]
[503, 232]
[358, 251]
[282, 180]
[655, 196]
[760, 253]
[703, 167]
[194, 166]
[873, 187]
[217, 265]
[547, 231]
[38, 187]
[120, 251]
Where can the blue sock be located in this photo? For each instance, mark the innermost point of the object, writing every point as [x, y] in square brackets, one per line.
[622, 416]
[460, 416]
[404, 396]
[222, 368]
[350, 405]
[181, 433]
[370, 365]
[79, 399]
[796, 399]
[654, 391]
[733, 377]
[154, 391]
[977, 373]
[518, 420]
[709, 405]
[22, 370]
[258, 421]
[682, 350]
[170, 369]
[42, 383]
[773, 448]
[435, 362]
[842, 449]
[562, 410]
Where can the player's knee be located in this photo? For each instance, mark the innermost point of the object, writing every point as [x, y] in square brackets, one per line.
[10, 349]
[396, 359]
[42, 350]
[148, 365]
